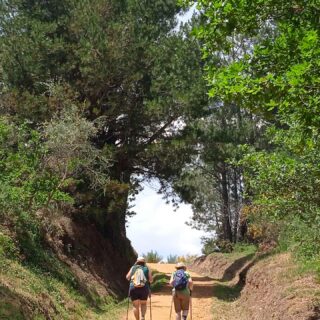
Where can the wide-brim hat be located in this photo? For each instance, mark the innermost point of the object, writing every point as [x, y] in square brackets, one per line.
[141, 259]
[181, 265]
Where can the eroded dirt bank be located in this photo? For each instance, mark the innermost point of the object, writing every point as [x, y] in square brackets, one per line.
[97, 264]
[260, 288]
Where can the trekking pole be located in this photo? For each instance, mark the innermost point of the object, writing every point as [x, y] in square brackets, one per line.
[171, 307]
[190, 307]
[128, 303]
[150, 307]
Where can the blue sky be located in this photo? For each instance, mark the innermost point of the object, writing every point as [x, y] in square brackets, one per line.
[157, 227]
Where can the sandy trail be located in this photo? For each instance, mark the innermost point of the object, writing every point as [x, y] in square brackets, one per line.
[161, 301]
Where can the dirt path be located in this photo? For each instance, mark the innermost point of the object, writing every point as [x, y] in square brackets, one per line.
[161, 301]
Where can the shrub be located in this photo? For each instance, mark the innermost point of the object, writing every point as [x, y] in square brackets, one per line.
[8, 247]
[209, 246]
[225, 246]
[188, 258]
[152, 257]
[172, 258]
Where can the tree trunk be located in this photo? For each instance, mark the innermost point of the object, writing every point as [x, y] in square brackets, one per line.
[227, 231]
[236, 196]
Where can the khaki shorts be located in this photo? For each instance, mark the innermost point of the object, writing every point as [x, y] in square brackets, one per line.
[181, 301]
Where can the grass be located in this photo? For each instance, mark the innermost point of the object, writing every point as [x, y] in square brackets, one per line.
[310, 267]
[41, 292]
[226, 292]
[241, 250]
[9, 310]
[159, 281]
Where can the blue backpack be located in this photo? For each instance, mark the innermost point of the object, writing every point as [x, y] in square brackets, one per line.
[180, 280]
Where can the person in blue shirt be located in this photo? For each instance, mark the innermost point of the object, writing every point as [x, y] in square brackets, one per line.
[139, 295]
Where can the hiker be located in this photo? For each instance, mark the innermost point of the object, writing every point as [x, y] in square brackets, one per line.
[140, 278]
[182, 290]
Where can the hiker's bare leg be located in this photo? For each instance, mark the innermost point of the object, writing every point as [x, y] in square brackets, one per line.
[143, 306]
[136, 305]
[177, 307]
[185, 314]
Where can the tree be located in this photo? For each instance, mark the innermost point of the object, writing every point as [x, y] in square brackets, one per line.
[130, 71]
[273, 71]
[152, 257]
[214, 183]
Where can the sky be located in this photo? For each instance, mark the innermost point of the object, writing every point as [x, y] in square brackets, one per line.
[157, 227]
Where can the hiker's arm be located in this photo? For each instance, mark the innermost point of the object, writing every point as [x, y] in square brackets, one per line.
[150, 277]
[171, 280]
[128, 276]
[190, 284]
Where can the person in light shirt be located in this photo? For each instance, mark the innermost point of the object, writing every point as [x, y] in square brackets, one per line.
[139, 295]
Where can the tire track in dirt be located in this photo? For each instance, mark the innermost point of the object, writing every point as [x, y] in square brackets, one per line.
[202, 300]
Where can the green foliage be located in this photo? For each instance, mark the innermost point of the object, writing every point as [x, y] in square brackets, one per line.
[213, 184]
[71, 155]
[209, 246]
[152, 257]
[286, 184]
[225, 246]
[96, 96]
[172, 258]
[227, 292]
[8, 248]
[159, 281]
[244, 248]
[26, 185]
[121, 64]
[10, 310]
[45, 295]
[37, 168]
[268, 53]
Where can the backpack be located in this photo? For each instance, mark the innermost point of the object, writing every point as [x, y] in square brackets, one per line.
[138, 278]
[180, 280]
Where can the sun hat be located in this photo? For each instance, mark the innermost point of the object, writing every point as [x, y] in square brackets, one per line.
[141, 259]
[181, 265]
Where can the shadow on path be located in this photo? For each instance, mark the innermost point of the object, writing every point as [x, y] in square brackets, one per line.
[235, 267]
[202, 290]
[316, 315]
[202, 279]
[233, 292]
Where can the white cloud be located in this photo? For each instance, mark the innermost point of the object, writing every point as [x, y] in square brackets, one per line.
[159, 228]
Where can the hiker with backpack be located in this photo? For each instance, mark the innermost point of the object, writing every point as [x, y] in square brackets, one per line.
[140, 278]
[182, 290]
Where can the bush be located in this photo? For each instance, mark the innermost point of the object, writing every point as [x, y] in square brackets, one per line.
[172, 258]
[225, 246]
[8, 247]
[152, 257]
[209, 246]
[188, 258]
[159, 281]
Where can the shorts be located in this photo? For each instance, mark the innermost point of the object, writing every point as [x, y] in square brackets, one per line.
[181, 301]
[139, 293]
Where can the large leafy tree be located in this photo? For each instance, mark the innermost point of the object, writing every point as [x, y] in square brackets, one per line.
[130, 71]
[273, 70]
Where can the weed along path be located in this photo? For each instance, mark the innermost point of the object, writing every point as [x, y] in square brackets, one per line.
[202, 299]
